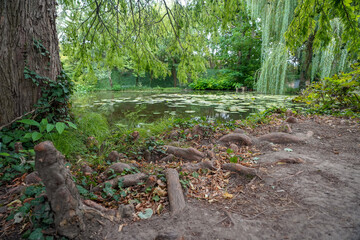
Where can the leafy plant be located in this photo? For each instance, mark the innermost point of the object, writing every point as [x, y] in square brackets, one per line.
[45, 127]
[335, 94]
[36, 209]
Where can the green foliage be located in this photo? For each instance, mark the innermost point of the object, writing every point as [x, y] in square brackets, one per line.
[69, 143]
[263, 117]
[44, 127]
[312, 16]
[37, 211]
[223, 82]
[335, 94]
[239, 50]
[53, 103]
[14, 164]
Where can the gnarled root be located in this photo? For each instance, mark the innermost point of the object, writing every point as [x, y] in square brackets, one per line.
[191, 167]
[240, 169]
[237, 138]
[175, 193]
[187, 154]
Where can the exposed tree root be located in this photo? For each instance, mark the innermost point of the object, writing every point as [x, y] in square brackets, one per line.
[168, 158]
[281, 138]
[192, 167]
[127, 181]
[32, 178]
[175, 193]
[115, 168]
[240, 169]
[237, 138]
[187, 154]
[61, 190]
[73, 218]
[290, 160]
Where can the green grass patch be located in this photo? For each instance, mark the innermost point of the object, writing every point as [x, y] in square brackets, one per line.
[94, 125]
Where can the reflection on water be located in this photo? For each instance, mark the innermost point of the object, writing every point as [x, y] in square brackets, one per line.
[150, 106]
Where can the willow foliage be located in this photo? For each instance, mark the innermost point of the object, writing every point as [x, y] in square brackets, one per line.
[316, 17]
[274, 17]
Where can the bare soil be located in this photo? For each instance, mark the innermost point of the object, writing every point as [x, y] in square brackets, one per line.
[319, 199]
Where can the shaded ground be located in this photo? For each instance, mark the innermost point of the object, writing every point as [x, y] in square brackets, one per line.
[318, 199]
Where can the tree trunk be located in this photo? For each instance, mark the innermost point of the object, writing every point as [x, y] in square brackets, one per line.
[173, 73]
[305, 73]
[28, 39]
[151, 78]
[110, 79]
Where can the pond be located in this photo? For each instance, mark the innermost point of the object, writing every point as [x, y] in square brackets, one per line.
[147, 107]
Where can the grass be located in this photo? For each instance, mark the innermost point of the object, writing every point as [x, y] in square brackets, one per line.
[70, 142]
[94, 125]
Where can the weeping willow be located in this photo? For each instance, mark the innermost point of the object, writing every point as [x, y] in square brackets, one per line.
[274, 17]
[334, 57]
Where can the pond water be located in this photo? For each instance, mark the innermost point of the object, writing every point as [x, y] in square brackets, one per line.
[122, 107]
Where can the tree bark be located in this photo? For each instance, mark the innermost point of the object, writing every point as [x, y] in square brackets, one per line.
[239, 169]
[24, 25]
[175, 193]
[173, 73]
[305, 74]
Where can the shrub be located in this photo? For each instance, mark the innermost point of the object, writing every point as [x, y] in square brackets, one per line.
[334, 94]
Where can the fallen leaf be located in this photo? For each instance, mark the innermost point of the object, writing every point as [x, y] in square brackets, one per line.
[160, 192]
[227, 195]
[159, 209]
[18, 217]
[120, 227]
[146, 214]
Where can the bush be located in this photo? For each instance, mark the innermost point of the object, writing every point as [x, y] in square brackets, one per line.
[335, 94]
[214, 83]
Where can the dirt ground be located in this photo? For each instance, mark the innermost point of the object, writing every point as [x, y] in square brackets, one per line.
[319, 199]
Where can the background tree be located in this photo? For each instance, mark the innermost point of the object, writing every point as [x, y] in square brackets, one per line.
[239, 50]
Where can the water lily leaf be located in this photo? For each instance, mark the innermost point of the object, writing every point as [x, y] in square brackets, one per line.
[146, 214]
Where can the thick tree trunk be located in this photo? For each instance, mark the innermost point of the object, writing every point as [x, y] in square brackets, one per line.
[28, 39]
